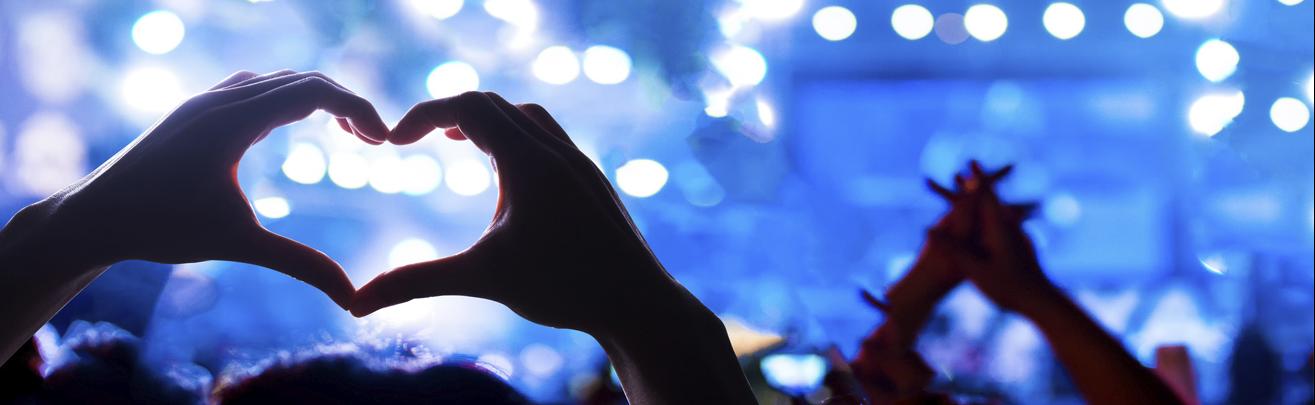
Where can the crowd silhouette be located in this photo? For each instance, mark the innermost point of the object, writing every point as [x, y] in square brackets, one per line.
[561, 251]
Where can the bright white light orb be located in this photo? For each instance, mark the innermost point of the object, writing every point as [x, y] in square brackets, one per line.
[440, 9]
[158, 32]
[985, 22]
[411, 251]
[1064, 20]
[521, 13]
[1210, 113]
[1062, 209]
[741, 65]
[349, 170]
[1193, 9]
[1216, 60]
[765, 113]
[556, 65]
[772, 10]
[451, 78]
[467, 177]
[912, 21]
[606, 65]
[834, 23]
[1143, 20]
[1289, 114]
[641, 177]
[540, 360]
[794, 373]
[1290, 2]
[421, 175]
[151, 90]
[272, 207]
[718, 103]
[1310, 88]
[387, 175]
[305, 164]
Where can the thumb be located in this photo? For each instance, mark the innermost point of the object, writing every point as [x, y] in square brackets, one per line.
[452, 275]
[270, 250]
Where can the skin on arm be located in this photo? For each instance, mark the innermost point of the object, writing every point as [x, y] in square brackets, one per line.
[1003, 265]
[171, 196]
[561, 251]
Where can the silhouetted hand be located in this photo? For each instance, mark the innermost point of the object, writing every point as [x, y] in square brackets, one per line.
[561, 251]
[172, 195]
[1000, 259]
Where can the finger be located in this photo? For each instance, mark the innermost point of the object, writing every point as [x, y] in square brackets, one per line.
[479, 119]
[454, 134]
[297, 100]
[453, 275]
[265, 77]
[959, 182]
[873, 301]
[287, 256]
[232, 79]
[541, 116]
[347, 127]
[940, 190]
[531, 127]
[976, 168]
[373, 130]
[999, 174]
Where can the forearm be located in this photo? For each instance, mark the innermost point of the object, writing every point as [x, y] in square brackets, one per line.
[39, 274]
[679, 357]
[1099, 365]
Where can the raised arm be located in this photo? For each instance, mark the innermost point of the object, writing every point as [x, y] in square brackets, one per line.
[561, 251]
[1003, 265]
[172, 197]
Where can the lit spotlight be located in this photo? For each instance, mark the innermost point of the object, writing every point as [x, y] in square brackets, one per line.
[151, 90]
[765, 113]
[349, 170]
[772, 10]
[1193, 9]
[305, 164]
[556, 65]
[1290, 2]
[440, 9]
[158, 32]
[1064, 20]
[985, 22]
[606, 65]
[641, 177]
[272, 207]
[451, 78]
[467, 177]
[387, 175]
[422, 175]
[1143, 20]
[1216, 60]
[741, 65]
[834, 23]
[411, 251]
[1289, 114]
[1210, 113]
[912, 21]
[521, 13]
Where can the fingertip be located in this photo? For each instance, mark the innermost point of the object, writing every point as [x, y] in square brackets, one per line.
[455, 134]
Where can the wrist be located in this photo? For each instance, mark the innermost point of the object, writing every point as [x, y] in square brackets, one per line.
[43, 236]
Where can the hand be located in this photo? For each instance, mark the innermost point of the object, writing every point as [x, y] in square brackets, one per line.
[172, 195]
[561, 250]
[1000, 259]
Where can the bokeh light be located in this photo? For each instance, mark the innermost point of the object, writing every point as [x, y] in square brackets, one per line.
[467, 177]
[451, 78]
[522, 14]
[1143, 20]
[795, 374]
[1193, 9]
[1290, 2]
[1216, 60]
[912, 21]
[950, 29]
[158, 32]
[1064, 20]
[1062, 209]
[440, 9]
[387, 175]
[741, 65]
[606, 65]
[985, 22]
[1289, 114]
[151, 90]
[49, 153]
[1210, 113]
[411, 251]
[272, 207]
[305, 164]
[422, 175]
[772, 10]
[834, 23]
[349, 170]
[641, 177]
[556, 65]
[766, 115]
[1310, 88]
